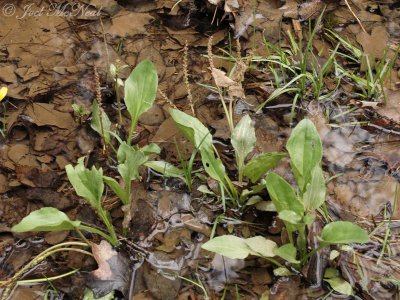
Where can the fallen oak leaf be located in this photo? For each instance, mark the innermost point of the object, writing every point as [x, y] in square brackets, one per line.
[220, 78]
[112, 273]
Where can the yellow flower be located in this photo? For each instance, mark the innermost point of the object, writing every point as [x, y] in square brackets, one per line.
[3, 92]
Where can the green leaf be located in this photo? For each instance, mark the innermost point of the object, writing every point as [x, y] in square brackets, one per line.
[165, 168]
[282, 194]
[340, 285]
[97, 121]
[46, 219]
[343, 232]
[315, 193]
[192, 129]
[243, 139]
[228, 245]
[87, 183]
[331, 273]
[265, 206]
[282, 272]
[151, 149]
[261, 246]
[308, 219]
[205, 190]
[260, 165]
[117, 189]
[213, 166]
[254, 200]
[89, 295]
[288, 252]
[305, 149]
[140, 89]
[290, 216]
[133, 158]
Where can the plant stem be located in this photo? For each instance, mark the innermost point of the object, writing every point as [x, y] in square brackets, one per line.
[96, 231]
[82, 236]
[132, 130]
[46, 279]
[117, 95]
[302, 241]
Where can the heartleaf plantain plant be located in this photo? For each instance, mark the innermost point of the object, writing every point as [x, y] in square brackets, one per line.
[296, 207]
[140, 92]
[243, 141]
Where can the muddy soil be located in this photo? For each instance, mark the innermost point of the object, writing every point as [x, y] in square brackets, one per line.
[50, 53]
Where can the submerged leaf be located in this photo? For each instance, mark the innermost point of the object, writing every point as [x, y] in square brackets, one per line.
[87, 183]
[140, 89]
[46, 219]
[343, 232]
[260, 165]
[228, 245]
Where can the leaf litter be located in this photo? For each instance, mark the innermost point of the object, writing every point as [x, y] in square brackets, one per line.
[47, 67]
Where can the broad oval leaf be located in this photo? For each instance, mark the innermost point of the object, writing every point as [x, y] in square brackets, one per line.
[213, 166]
[228, 245]
[133, 159]
[192, 129]
[288, 252]
[340, 285]
[290, 216]
[261, 246]
[243, 139]
[87, 183]
[282, 194]
[343, 232]
[315, 193]
[46, 219]
[117, 189]
[260, 165]
[102, 125]
[305, 148]
[165, 168]
[141, 89]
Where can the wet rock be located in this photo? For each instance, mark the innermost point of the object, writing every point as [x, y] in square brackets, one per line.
[28, 73]
[162, 286]
[47, 196]
[195, 225]
[7, 74]
[143, 218]
[154, 116]
[55, 237]
[155, 57]
[261, 276]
